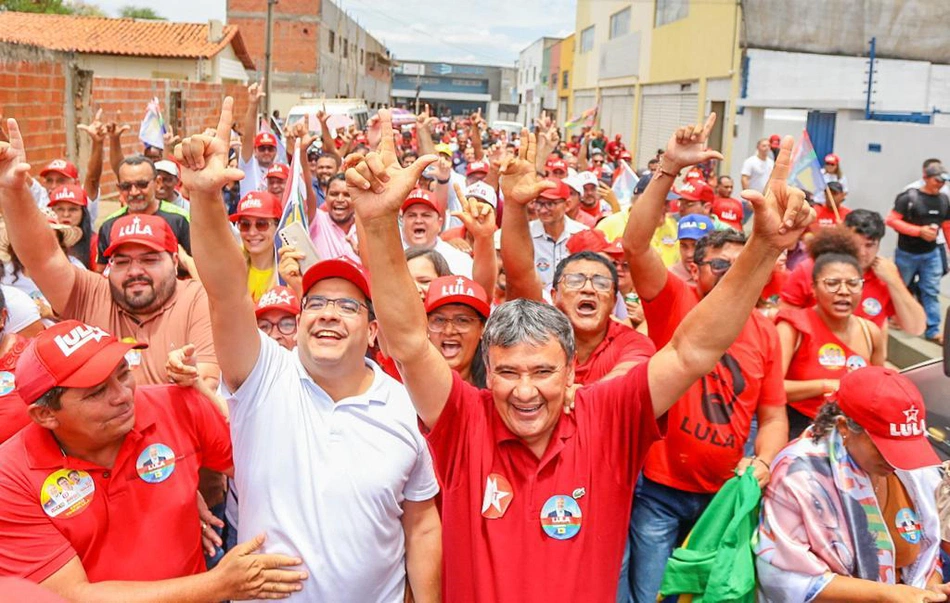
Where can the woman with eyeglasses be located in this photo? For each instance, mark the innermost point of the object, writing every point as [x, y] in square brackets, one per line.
[457, 308]
[256, 218]
[277, 311]
[822, 343]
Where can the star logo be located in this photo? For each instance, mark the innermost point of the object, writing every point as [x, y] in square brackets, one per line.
[910, 415]
[498, 496]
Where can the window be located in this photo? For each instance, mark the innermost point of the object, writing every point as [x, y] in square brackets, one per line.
[554, 80]
[346, 48]
[587, 39]
[332, 41]
[564, 81]
[361, 56]
[668, 11]
[534, 74]
[620, 23]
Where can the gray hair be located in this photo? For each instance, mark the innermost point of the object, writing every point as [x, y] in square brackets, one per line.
[137, 160]
[525, 321]
[51, 398]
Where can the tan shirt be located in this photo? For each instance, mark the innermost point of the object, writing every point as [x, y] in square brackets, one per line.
[185, 318]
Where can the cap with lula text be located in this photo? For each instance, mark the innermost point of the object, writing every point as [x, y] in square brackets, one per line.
[559, 191]
[143, 229]
[278, 298]
[477, 167]
[341, 267]
[169, 167]
[61, 166]
[278, 170]
[69, 193]
[482, 192]
[68, 354]
[258, 204]
[697, 190]
[585, 178]
[891, 410]
[457, 290]
[832, 159]
[694, 226]
[265, 139]
[556, 164]
[418, 195]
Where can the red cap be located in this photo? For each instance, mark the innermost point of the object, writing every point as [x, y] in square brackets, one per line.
[556, 163]
[625, 155]
[278, 170]
[615, 248]
[152, 231]
[341, 267]
[457, 290]
[69, 193]
[258, 204]
[278, 298]
[61, 166]
[418, 195]
[697, 190]
[265, 139]
[68, 354]
[477, 167]
[832, 158]
[587, 240]
[694, 174]
[891, 410]
[560, 191]
[775, 141]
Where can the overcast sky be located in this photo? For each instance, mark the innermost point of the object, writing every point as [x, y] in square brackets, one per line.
[481, 31]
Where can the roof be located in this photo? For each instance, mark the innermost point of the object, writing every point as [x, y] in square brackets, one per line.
[130, 37]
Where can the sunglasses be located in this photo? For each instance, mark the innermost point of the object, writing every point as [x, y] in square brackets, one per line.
[139, 184]
[259, 225]
[718, 265]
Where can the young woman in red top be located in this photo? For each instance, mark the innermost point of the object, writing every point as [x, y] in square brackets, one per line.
[824, 342]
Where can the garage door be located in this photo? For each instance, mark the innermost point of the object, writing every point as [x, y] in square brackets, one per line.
[617, 116]
[660, 116]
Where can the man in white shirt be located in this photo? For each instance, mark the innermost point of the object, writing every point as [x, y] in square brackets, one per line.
[757, 169]
[255, 159]
[422, 221]
[329, 461]
[551, 230]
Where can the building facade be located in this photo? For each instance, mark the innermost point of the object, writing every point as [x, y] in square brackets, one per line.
[533, 72]
[455, 89]
[565, 79]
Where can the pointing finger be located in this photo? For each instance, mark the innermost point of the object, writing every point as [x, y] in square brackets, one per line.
[708, 126]
[98, 114]
[458, 193]
[386, 148]
[223, 131]
[523, 147]
[783, 162]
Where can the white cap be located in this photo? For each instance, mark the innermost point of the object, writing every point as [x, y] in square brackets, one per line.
[574, 182]
[482, 191]
[167, 166]
[584, 178]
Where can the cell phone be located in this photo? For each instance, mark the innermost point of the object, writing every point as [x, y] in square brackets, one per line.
[296, 236]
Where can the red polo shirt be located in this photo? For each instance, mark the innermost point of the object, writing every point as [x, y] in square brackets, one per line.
[825, 216]
[13, 414]
[621, 344]
[591, 462]
[876, 304]
[121, 526]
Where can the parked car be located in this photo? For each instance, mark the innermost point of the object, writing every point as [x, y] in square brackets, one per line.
[932, 378]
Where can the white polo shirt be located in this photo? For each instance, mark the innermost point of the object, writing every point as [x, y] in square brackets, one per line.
[460, 263]
[326, 481]
[548, 253]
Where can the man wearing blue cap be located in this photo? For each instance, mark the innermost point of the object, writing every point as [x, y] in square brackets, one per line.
[690, 229]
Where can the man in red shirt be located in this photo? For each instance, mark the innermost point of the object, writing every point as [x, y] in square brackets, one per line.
[508, 456]
[711, 422]
[825, 214]
[98, 492]
[729, 210]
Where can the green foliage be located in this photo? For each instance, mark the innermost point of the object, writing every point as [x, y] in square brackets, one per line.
[137, 12]
[58, 7]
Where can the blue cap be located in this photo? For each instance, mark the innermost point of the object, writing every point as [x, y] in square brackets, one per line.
[694, 226]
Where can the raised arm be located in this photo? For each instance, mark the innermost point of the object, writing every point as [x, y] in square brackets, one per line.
[255, 92]
[326, 141]
[908, 311]
[205, 171]
[424, 124]
[97, 134]
[475, 134]
[30, 235]
[479, 220]
[704, 335]
[115, 130]
[378, 186]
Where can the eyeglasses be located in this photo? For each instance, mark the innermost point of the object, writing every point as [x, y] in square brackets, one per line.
[718, 265]
[286, 325]
[833, 285]
[139, 184]
[259, 225]
[169, 179]
[345, 306]
[575, 281]
[462, 324]
[148, 261]
[538, 204]
[621, 266]
[597, 161]
[266, 148]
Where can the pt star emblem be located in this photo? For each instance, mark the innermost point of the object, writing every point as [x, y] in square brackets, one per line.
[498, 495]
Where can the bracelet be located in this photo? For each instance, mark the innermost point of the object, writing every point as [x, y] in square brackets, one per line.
[440, 181]
[767, 467]
[660, 170]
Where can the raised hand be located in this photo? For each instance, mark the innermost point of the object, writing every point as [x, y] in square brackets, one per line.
[426, 120]
[377, 183]
[478, 122]
[96, 130]
[170, 138]
[204, 159]
[781, 215]
[255, 92]
[181, 366]
[13, 165]
[687, 146]
[477, 217]
[114, 129]
[519, 178]
[288, 267]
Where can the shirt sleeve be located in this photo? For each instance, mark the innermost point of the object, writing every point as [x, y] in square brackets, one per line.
[747, 167]
[183, 233]
[902, 203]
[421, 484]
[263, 378]
[199, 327]
[797, 290]
[773, 383]
[449, 439]
[103, 241]
[664, 312]
[211, 430]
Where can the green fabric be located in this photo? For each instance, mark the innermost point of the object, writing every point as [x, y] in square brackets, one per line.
[165, 206]
[716, 564]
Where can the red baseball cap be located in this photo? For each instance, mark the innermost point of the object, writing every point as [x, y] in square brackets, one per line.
[556, 163]
[775, 141]
[560, 191]
[152, 231]
[278, 170]
[625, 155]
[278, 298]
[69, 193]
[258, 204]
[697, 190]
[265, 139]
[68, 354]
[477, 167]
[891, 410]
[341, 267]
[832, 158]
[694, 174]
[418, 195]
[587, 240]
[615, 248]
[61, 166]
[457, 290]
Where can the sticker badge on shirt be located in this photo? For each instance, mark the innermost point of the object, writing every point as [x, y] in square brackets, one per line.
[908, 525]
[855, 362]
[66, 493]
[871, 307]
[156, 463]
[561, 517]
[831, 356]
[133, 357]
[6, 383]
[543, 266]
[498, 495]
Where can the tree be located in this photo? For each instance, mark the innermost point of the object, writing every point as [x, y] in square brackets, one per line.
[137, 12]
[86, 9]
[37, 6]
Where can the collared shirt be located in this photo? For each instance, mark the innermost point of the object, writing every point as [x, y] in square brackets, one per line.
[184, 318]
[176, 217]
[496, 493]
[548, 253]
[329, 239]
[126, 522]
[620, 344]
[13, 411]
[327, 480]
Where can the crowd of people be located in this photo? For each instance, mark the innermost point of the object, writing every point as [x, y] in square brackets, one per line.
[479, 373]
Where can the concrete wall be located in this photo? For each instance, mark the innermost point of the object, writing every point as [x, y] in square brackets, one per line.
[700, 45]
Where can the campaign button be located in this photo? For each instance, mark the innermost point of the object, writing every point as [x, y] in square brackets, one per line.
[156, 463]
[561, 517]
[67, 493]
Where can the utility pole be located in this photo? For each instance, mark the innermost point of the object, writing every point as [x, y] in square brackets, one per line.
[269, 38]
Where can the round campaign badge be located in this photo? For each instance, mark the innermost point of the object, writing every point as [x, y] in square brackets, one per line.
[133, 357]
[66, 492]
[543, 266]
[908, 525]
[871, 307]
[855, 362]
[831, 356]
[6, 383]
[156, 463]
[561, 517]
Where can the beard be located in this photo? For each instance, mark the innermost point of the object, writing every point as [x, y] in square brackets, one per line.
[145, 301]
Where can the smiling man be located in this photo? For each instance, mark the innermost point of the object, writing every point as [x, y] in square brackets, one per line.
[422, 221]
[507, 453]
[334, 222]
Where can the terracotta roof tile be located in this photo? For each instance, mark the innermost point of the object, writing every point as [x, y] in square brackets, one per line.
[131, 37]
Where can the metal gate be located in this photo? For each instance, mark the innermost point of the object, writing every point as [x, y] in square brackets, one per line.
[660, 116]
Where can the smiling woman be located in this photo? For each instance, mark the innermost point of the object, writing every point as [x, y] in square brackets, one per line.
[256, 218]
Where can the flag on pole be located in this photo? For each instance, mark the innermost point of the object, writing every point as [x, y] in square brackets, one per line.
[589, 117]
[152, 130]
[806, 171]
[294, 200]
[625, 180]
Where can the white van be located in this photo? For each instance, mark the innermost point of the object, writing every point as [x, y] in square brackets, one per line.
[512, 127]
[342, 112]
